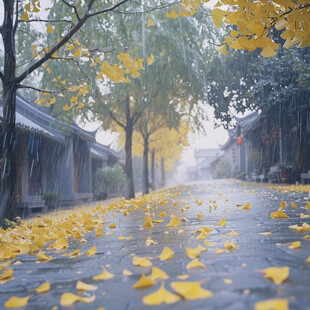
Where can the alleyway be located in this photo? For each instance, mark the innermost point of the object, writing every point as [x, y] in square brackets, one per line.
[231, 262]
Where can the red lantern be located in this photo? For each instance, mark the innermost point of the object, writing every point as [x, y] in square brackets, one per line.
[239, 140]
[233, 155]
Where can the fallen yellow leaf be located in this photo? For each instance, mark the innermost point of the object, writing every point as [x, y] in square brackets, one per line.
[293, 205]
[208, 243]
[200, 216]
[99, 232]
[45, 287]
[219, 251]
[144, 282]
[308, 259]
[113, 225]
[190, 290]
[59, 244]
[160, 296]
[15, 302]
[158, 274]
[166, 254]
[194, 252]
[92, 251]
[232, 233]
[183, 277]
[7, 274]
[230, 245]
[267, 233]
[163, 214]
[276, 274]
[127, 272]
[304, 216]
[174, 222]
[294, 245]
[283, 204]
[227, 281]
[272, 304]
[278, 214]
[104, 276]
[148, 223]
[222, 222]
[247, 206]
[141, 261]
[149, 242]
[42, 257]
[68, 299]
[81, 286]
[74, 253]
[195, 263]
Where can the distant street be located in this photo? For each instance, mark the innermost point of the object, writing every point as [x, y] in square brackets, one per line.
[232, 269]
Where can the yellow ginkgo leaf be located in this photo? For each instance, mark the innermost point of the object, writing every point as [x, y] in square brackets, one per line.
[163, 214]
[74, 253]
[304, 216]
[283, 204]
[308, 259]
[200, 216]
[92, 251]
[7, 274]
[113, 225]
[293, 205]
[49, 29]
[173, 14]
[267, 233]
[218, 15]
[42, 257]
[144, 282]
[294, 245]
[59, 244]
[247, 206]
[150, 241]
[227, 281]
[99, 232]
[158, 274]
[141, 261]
[104, 276]
[278, 214]
[272, 304]
[219, 251]
[25, 16]
[276, 274]
[81, 286]
[150, 22]
[232, 233]
[148, 223]
[127, 272]
[174, 222]
[78, 234]
[150, 59]
[222, 222]
[194, 252]
[15, 302]
[166, 254]
[222, 49]
[208, 243]
[68, 299]
[45, 287]
[160, 296]
[190, 290]
[230, 245]
[195, 263]
[6, 264]
[183, 277]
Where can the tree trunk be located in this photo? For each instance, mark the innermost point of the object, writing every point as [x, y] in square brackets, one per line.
[130, 191]
[8, 205]
[145, 173]
[153, 169]
[163, 177]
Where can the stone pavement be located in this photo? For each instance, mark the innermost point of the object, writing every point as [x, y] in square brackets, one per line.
[233, 277]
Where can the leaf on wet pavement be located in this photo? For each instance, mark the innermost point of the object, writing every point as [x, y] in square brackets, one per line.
[166, 254]
[141, 261]
[283, 204]
[174, 222]
[308, 259]
[126, 272]
[227, 281]
[92, 251]
[219, 251]
[294, 245]
[190, 290]
[148, 223]
[43, 288]
[278, 214]
[113, 225]
[232, 233]
[15, 302]
[68, 299]
[209, 243]
[99, 232]
[158, 274]
[59, 244]
[247, 206]
[149, 242]
[144, 282]
[160, 296]
[81, 286]
[7, 274]
[277, 274]
[222, 222]
[42, 257]
[195, 263]
[267, 233]
[195, 252]
[230, 245]
[200, 216]
[272, 304]
[163, 214]
[105, 275]
[183, 277]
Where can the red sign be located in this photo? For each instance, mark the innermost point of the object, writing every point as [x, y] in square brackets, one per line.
[239, 140]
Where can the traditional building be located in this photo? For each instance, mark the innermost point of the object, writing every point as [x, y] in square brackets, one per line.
[54, 158]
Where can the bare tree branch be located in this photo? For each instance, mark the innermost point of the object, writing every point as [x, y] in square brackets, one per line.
[72, 6]
[111, 8]
[1, 76]
[46, 21]
[40, 89]
[16, 18]
[116, 120]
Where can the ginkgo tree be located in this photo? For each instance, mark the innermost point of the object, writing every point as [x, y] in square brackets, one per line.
[19, 14]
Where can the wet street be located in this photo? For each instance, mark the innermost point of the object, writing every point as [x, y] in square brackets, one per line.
[231, 271]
